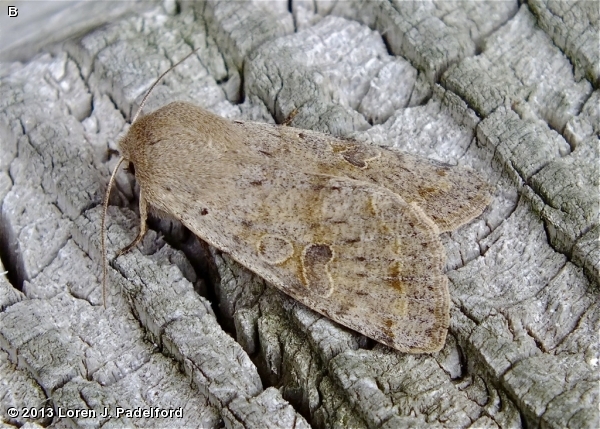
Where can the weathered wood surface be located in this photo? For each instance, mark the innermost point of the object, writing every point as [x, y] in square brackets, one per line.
[510, 90]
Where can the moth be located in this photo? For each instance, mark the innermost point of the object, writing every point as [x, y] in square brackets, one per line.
[348, 229]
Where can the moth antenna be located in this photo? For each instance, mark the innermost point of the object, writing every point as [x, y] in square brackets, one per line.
[114, 175]
[158, 80]
[103, 228]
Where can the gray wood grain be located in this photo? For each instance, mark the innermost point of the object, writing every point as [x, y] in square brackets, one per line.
[510, 90]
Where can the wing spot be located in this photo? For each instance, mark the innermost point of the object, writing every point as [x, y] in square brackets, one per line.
[315, 269]
[274, 249]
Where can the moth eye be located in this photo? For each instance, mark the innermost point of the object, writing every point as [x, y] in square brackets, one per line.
[130, 168]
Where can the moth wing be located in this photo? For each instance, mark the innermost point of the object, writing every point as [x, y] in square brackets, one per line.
[303, 213]
[450, 195]
[353, 251]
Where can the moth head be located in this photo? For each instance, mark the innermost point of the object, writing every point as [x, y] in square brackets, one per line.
[133, 145]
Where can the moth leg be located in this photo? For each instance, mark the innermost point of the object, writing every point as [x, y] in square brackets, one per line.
[290, 118]
[143, 227]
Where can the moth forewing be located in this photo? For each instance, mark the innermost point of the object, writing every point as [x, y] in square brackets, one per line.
[449, 195]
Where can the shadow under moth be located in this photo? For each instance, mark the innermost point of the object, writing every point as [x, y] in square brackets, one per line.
[348, 229]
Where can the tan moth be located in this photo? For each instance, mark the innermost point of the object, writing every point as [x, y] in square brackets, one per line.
[348, 229]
